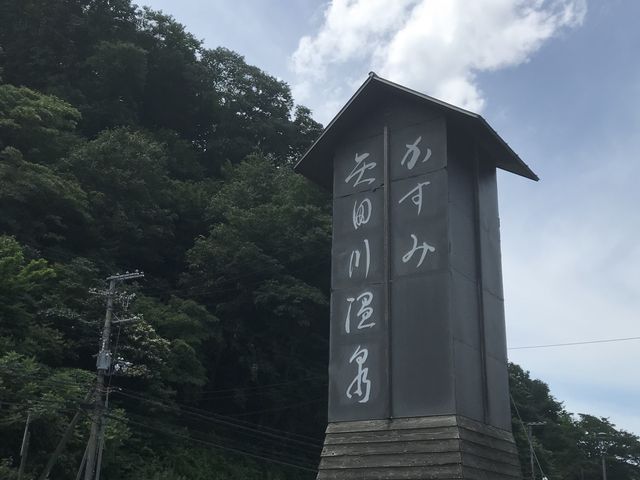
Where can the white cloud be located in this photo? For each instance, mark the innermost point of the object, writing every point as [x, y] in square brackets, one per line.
[434, 46]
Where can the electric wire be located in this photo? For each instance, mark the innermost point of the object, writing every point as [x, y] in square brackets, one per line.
[259, 446]
[529, 441]
[288, 459]
[30, 404]
[265, 386]
[280, 408]
[304, 448]
[200, 290]
[186, 408]
[570, 344]
[10, 421]
[248, 394]
[254, 393]
[215, 445]
[275, 433]
[181, 408]
[45, 378]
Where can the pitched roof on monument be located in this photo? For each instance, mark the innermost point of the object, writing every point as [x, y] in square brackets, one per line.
[317, 165]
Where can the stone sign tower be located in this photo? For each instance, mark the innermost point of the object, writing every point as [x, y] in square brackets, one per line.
[418, 383]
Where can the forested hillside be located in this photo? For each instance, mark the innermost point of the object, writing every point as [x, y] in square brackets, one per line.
[126, 144]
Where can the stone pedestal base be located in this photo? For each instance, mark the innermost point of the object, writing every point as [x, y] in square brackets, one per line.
[442, 447]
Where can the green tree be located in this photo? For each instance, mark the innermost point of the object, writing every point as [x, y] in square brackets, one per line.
[45, 42]
[39, 205]
[115, 83]
[255, 112]
[124, 174]
[568, 446]
[264, 269]
[22, 281]
[176, 96]
[50, 397]
[41, 127]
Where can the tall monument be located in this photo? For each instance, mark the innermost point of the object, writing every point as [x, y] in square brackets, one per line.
[418, 382]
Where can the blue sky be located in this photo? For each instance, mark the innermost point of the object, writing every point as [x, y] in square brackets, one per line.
[560, 81]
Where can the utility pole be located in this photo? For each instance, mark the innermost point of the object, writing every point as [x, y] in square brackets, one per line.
[103, 365]
[603, 449]
[24, 448]
[530, 426]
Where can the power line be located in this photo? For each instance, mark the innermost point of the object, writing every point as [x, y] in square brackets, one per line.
[47, 380]
[277, 409]
[313, 452]
[16, 414]
[568, 344]
[307, 449]
[203, 290]
[179, 407]
[214, 445]
[267, 385]
[529, 440]
[200, 290]
[286, 462]
[230, 421]
[253, 392]
[33, 402]
[260, 446]
[250, 431]
[45, 252]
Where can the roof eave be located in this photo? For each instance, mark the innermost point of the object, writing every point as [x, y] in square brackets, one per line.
[314, 154]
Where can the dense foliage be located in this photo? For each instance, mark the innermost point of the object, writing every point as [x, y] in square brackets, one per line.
[126, 144]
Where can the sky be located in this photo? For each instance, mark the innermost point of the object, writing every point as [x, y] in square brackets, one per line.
[560, 81]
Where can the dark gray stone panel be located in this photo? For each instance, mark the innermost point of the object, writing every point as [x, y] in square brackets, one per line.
[358, 239]
[491, 263]
[465, 320]
[468, 371]
[357, 314]
[420, 197]
[418, 245]
[358, 260]
[358, 166]
[418, 149]
[488, 198]
[428, 223]
[421, 349]
[498, 391]
[461, 178]
[463, 242]
[358, 325]
[358, 213]
[400, 114]
[358, 380]
[369, 126]
[495, 334]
